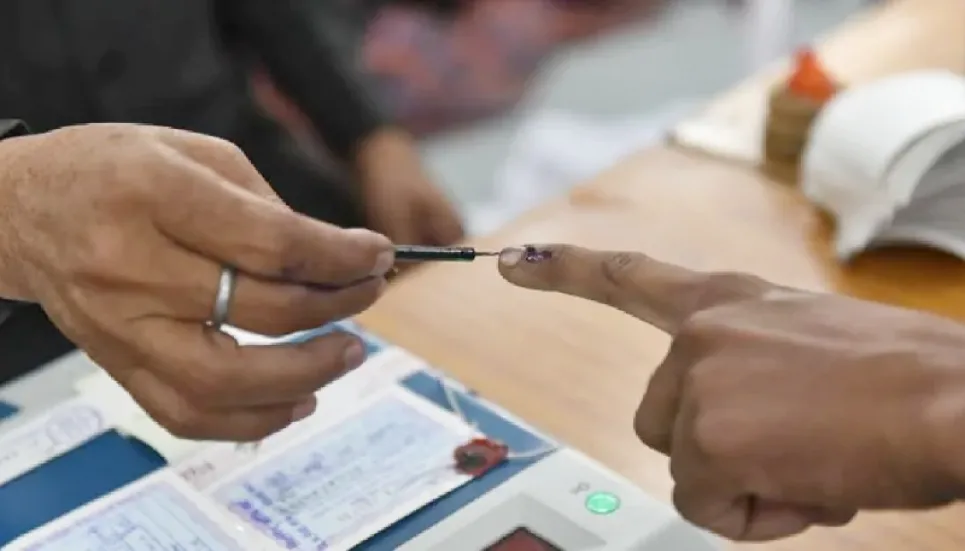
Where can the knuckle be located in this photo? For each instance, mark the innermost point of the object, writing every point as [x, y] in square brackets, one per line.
[619, 271]
[697, 329]
[292, 309]
[99, 254]
[205, 383]
[273, 245]
[230, 153]
[713, 436]
[721, 287]
[616, 270]
[619, 268]
[714, 432]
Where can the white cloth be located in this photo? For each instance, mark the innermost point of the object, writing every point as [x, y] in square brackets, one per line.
[880, 160]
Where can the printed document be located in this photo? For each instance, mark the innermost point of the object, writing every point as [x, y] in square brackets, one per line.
[358, 467]
[48, 436]
[341, 485]
[218, 461]
[159, 513]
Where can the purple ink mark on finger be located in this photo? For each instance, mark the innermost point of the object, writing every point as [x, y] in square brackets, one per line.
[532, 254]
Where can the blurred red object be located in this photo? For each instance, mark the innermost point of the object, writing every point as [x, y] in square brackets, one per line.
[809, 78]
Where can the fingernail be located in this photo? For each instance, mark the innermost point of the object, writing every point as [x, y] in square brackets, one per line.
[354, 355]
[304, 409]
[510, 256]
[368, 240]
[384, 263]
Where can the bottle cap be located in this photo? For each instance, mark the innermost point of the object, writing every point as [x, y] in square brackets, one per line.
[809, 78]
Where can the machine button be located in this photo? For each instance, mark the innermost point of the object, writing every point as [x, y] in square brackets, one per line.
[602, 503]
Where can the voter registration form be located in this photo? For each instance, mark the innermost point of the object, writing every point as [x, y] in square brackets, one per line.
[330, 488]
[49, 436]
[160, 512]
[336, 488]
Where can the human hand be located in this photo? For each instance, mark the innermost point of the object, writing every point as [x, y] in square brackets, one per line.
[120, 232]
[401, 200]
[779, 409]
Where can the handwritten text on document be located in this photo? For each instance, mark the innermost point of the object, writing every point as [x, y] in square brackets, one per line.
[347, 482]
[159, 513]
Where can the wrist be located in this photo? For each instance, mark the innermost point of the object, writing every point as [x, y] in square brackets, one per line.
[12, 285]
[944, 423]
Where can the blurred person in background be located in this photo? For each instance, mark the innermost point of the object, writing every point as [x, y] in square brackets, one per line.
[185, 64]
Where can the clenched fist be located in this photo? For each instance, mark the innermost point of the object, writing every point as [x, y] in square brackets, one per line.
[779, 408]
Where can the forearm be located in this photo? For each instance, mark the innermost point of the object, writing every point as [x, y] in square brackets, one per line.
[290, 39]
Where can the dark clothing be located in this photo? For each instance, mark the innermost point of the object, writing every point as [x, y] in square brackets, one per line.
[27, 341]
[184, 64]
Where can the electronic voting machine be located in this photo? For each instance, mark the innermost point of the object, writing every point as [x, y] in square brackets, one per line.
[396, 457]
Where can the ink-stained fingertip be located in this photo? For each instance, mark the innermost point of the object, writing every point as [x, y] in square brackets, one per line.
[531, 254]
[526, 266]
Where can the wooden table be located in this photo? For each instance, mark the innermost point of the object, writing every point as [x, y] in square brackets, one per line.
[578, 370]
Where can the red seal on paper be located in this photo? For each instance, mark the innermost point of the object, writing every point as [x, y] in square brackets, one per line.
[479, 455]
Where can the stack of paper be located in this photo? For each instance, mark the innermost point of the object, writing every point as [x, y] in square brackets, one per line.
[332, 487]
[887, 160]
[373, 453]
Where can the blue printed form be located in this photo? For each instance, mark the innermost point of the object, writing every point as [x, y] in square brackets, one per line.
[160, 513]
[346, 482]
[7, 410]
[49, 436]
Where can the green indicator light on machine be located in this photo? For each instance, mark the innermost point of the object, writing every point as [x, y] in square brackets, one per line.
[602, 503]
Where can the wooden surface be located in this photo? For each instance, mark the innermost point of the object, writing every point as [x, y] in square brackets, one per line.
[897, 36]
[578, 371]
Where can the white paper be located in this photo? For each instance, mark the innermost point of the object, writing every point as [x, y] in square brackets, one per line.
[216, 461]
[158, 513]
[738, 142]
[340, 486]
[871, 151]
[869, 125]
[129, 418]
[49, 436]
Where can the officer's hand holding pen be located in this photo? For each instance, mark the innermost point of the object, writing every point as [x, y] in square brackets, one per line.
[139, 241]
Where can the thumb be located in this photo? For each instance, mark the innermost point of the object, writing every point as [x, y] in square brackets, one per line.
[663, 295]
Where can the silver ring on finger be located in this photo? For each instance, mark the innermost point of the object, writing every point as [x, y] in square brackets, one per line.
[222, 301]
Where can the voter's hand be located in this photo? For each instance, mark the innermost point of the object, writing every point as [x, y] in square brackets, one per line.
[779, 408]
[121, 231]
